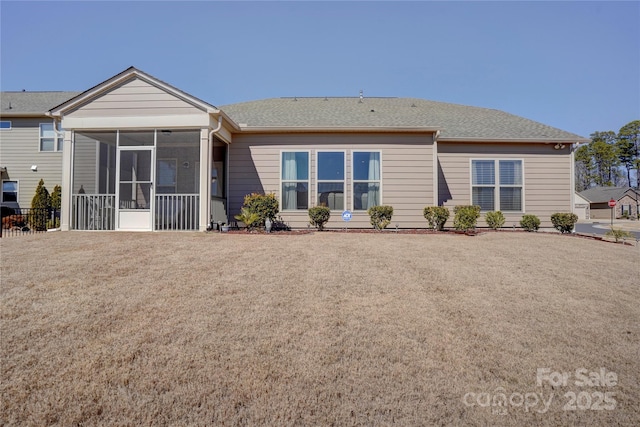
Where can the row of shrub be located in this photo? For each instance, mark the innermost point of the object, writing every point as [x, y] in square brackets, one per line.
[257, 208]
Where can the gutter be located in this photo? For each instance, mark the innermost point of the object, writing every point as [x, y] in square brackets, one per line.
[56, 131]
[335, 129]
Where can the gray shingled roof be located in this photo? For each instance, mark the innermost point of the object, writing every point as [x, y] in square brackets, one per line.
[604, 194]
[31, 103]
[455, 121]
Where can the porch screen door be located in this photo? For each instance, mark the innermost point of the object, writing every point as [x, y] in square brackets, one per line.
[135, 188]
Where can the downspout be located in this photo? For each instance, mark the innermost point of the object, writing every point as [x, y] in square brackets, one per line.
[210, 163]
[436, 184]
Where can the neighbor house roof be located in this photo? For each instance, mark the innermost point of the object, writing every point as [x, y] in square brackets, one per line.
[31, 103]
[456, 122]
[604, 194]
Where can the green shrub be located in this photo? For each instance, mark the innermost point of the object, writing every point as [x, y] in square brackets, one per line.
[250, 219]
[494, 219]
[530, 222]
[264, 205]
[56, 198]
[564, 222]
[436, 216]
[40, 208]
[380, 216]
[319, 216]
[465, 217]
[618, 233]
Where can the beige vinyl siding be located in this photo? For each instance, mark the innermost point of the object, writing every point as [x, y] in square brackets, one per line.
[134, 98]
[19, 150]
[406, 163]
[547, 176]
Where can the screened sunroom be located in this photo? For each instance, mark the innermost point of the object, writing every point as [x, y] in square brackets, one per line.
[142, 155]
[142, 180]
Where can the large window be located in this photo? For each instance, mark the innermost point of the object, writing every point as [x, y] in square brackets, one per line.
[497, 185]
[295, 180]
[366, 179]
[49, 141]
[9, 191]
[330, 182]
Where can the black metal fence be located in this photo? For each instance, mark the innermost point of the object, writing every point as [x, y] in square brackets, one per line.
[22, 221]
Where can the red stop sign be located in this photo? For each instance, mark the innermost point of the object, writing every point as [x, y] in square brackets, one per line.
[612, 203]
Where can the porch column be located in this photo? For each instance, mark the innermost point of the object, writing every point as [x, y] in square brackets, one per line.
[205, 179]
[68, 149]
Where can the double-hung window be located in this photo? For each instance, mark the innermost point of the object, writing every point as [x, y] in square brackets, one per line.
[497, 185]
[49, 141]
[9, 191]
[366, 179]
[295, 180]
[330, 172]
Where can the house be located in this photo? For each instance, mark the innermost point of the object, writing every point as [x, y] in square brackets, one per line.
[140, 154]
[627, 202]
[29, 149]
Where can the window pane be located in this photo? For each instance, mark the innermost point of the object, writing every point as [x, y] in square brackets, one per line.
[510, 172]
[135, 195]
[46, 130]
[295, 195]
[60, 144]
[510, 199]
[330, 166]
[365, 195]
[366, 166]
[331, 194]
[5, 125]
[132, 138]
[484, 197]
[10, 191]
[47, 144]
[483, 172]
[135, 165]
[295, 166]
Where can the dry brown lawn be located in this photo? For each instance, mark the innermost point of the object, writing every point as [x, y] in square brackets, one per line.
[317, 329]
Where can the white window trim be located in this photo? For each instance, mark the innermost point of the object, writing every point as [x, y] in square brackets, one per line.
[6, 129]
[17, 181]
[353, 180]
[58, 141]
[343, 181]
[497, 185]
[308, 180]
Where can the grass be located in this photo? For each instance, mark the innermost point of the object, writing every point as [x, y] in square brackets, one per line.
[317, 329]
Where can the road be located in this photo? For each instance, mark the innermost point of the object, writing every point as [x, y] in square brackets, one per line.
[600, 228]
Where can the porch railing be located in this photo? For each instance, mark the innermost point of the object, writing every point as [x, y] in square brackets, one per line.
[177, 212]
[93, 212]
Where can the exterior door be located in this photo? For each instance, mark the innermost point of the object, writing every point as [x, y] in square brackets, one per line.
[135, 193]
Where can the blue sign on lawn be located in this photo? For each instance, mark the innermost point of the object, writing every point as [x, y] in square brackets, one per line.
[346, 216]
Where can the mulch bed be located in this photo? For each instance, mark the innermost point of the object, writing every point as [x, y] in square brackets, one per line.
[300, 232]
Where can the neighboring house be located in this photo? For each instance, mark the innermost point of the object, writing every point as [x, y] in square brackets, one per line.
[140, 154]
[29, 149]
[581, 207]
[627, 202]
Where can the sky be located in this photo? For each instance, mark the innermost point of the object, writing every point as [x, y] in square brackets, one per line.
[571, 65]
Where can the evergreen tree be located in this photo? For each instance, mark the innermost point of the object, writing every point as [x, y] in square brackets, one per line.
[628, 146]
[40, 208]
